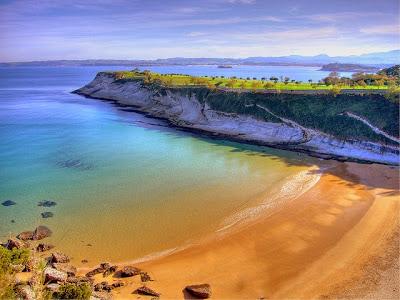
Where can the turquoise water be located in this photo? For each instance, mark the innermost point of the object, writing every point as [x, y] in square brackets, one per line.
[121, 181]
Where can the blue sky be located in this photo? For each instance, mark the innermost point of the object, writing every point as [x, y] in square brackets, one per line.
[129, 29]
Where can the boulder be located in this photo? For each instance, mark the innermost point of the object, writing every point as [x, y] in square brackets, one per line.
[144, 290]
[110, 271]
[58, 257]
[25, 235]
[202, 291]
[144, 277]
[70, 270]
[25, 292]
[44, 247]
[94, 272]
[14, 243]
[47, 203]
[102, 286]
[41, 232]
[8, 203]
[84, 261]
[117, 284]
[53, 275]
[129, 271]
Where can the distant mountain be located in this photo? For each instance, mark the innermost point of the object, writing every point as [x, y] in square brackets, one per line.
[378, 59]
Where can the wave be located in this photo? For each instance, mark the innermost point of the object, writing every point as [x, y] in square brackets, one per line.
[293, 187]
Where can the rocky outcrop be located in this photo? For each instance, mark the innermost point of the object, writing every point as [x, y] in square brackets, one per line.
[200, 291]
[190, 110]
[144, 290]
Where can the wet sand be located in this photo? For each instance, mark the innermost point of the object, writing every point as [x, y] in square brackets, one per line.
[337, 240]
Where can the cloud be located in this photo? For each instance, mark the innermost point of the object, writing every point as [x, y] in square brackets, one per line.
[381, 29]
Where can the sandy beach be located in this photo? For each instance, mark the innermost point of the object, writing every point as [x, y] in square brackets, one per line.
[340, 239]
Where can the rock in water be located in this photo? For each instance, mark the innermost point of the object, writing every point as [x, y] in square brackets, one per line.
[41, 232]
[8, 203]
[47, 203]
[202, 291]
[129, 271]
[25, 235]
[144, 290]
[44, 247]
[58, 257]
[47, 214]
[53, 275]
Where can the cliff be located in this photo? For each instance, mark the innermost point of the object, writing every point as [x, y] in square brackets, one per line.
[362, 127]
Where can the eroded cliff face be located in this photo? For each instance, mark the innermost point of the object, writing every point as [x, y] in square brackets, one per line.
[189, 110]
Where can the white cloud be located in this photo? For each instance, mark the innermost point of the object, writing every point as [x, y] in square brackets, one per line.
[381, 29]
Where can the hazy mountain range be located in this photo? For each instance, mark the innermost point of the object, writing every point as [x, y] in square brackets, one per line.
[379, 59]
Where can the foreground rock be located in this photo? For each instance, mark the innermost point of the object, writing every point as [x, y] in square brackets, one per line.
[25, 235]
[104, 268]
[25, 292]
[41, 232]
[105, 286]
[70, 270]
[129, 271]
[58, 257]
[201, 291]
[8, 203]
[14, 243]
[44, 247]
[144, 290]
[52, 275]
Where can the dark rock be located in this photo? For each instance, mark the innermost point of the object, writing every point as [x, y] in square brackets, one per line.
[129, 271]
[53, 275]
[117, 284]
[144, 277]
[44, 247]
[8, 203]
[14, 243]
[47, 203]
[202, 291]
[47, 214]
[25, 292]
[41, 232]
[70, 270]
[144, 290]
[94, 272]
[103, 267]
[84, 261]
[110, 271]
[25, 235]
[58, 257]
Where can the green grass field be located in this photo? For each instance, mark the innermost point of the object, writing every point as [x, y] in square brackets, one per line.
[179, 80]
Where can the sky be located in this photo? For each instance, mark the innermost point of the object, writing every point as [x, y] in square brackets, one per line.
[133, 29]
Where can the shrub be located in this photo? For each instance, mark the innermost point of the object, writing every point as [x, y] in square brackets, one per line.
[74, 291]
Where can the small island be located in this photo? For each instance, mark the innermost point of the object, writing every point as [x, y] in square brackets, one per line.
[338, 67]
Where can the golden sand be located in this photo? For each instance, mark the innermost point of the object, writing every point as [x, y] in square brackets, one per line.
[337, 240]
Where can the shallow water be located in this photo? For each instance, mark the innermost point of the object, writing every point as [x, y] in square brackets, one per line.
[126, 185]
